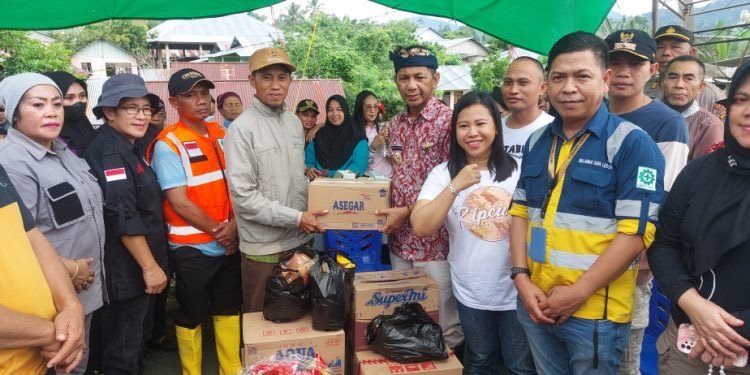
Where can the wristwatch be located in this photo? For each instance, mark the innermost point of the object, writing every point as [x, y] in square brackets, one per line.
[517, 270]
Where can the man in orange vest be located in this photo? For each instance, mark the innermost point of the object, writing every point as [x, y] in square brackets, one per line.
[188, 158]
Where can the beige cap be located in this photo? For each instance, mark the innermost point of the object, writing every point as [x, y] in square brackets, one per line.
[269, 56]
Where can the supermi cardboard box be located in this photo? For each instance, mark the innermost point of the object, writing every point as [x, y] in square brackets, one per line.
[351, 204]
[378, 293]
[264, 339]
[371, 363]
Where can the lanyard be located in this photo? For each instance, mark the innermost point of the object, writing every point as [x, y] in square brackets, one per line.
[555, 176]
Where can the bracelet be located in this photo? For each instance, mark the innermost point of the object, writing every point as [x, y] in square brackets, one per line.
[78, 268]
[452, 189]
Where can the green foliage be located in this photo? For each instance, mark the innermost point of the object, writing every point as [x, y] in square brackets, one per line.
[353, 50]
[130, 35]
[29, 55]
[611, 25]
[489, 73]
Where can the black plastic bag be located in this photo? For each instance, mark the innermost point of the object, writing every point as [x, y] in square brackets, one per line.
[407, 336]
[331, 288]
[287, 297]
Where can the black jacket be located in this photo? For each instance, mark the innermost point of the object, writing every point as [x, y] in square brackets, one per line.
[132, 206]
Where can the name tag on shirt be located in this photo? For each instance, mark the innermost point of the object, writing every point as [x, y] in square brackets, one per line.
[115, 174]
[538, 245]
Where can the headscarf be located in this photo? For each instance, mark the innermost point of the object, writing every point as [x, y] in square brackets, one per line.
[14, 87]
[223, 97]
[334, 145]
[721, 217]
[77, 131]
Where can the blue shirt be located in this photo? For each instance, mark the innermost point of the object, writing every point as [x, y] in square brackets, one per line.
[170, 173]
[357, 163]
[669, 130]
[614, 184]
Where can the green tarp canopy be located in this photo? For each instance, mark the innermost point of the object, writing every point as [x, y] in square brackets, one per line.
[531, 24]
[61, 14]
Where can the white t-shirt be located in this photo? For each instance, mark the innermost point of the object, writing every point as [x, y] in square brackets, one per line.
[479, 229]
[515, 139]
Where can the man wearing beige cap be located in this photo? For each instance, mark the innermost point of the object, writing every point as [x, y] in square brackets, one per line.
[266, 172]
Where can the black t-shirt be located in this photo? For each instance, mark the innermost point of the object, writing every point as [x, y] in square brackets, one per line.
[9, 195]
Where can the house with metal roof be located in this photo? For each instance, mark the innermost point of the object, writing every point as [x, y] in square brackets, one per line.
[455, 80]
[102, 59]
[185, 40]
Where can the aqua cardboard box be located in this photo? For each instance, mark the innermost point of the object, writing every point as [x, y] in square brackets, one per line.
[266, 339]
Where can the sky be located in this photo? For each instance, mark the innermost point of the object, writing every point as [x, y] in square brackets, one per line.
[361, 9]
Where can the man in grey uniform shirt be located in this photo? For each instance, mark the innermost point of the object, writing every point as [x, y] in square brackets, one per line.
[266, 173]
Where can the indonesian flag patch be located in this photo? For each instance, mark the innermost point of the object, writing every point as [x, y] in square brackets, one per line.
[115, 174]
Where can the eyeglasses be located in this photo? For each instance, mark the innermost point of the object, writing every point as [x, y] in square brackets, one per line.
[134, 109]
[371, 107]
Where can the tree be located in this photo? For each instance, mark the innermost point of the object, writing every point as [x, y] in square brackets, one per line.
[354, 51]
[489, 73]
[294, 15]
[313, 7]
[130, 35]
[29, 55]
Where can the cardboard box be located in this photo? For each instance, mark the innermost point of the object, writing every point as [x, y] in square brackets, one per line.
[381, 292]
[351, 204]
[371, 363]
[263, 339]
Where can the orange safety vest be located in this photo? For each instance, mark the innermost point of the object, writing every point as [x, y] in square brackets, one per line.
[203, 161]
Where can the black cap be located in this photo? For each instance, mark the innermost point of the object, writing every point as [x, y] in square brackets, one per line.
[307, 105]
[675, 32]
[634, 42]
[184, 80]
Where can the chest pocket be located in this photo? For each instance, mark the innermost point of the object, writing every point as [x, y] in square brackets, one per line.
[65, 204]
[535, 184]
[593, 188]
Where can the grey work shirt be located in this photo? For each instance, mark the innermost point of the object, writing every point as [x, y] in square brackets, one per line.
[65, 201]
[264, 150]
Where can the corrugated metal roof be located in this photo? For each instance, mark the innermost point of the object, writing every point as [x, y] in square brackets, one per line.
[216, 30]
[216, 71]
[316, 89]
[455, 77]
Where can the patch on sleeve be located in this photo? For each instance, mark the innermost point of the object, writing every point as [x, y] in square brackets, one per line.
[646, 178]
[115, 174]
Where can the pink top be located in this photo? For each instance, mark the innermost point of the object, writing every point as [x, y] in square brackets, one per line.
[377, 161]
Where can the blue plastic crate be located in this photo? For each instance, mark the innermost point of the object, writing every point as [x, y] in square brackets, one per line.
[659, 308]
[362, 247]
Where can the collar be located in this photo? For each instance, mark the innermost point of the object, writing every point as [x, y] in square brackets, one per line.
[597, 124]
[429, 112]
[213, 129]
[693, 109]
[32, 147]
[119, 138]
[266, 110]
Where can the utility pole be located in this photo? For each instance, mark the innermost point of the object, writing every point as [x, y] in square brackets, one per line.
[654, 16]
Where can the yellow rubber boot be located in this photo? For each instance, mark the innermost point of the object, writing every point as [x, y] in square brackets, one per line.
[227, 334]
[190, 346]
